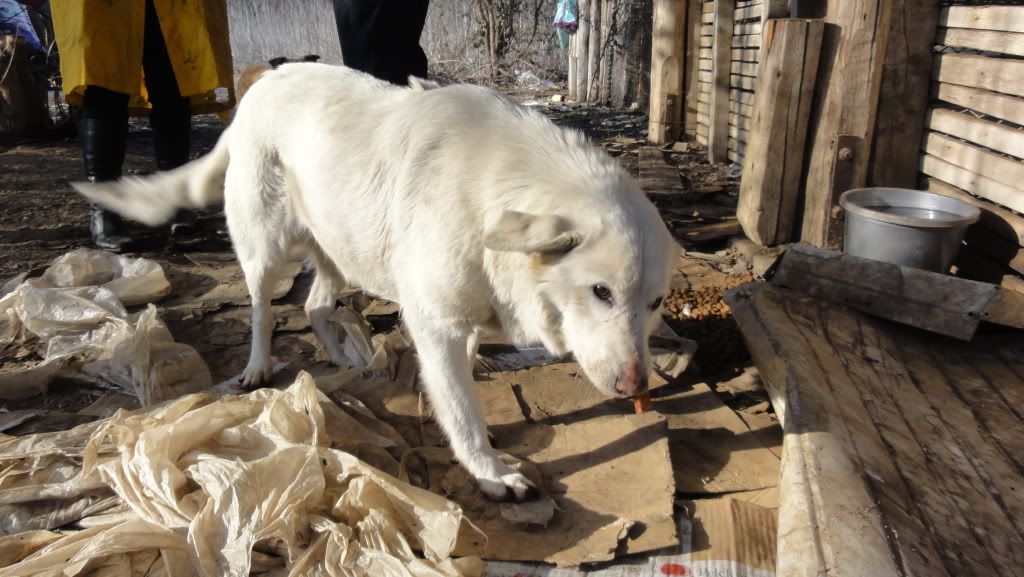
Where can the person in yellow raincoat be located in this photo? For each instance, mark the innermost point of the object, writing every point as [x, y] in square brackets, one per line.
[162, 57]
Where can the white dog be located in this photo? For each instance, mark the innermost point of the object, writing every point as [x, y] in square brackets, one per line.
[472, 212]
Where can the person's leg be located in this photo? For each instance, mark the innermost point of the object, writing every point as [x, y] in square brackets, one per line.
[381, 37]
[103, 132]
[353, 19]
[171, 115]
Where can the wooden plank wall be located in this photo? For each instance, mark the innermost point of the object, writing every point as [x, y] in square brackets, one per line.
[743, 59]
[973, 146]
[704, 74]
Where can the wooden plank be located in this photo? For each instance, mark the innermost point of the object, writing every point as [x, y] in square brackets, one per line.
[741, 122]
[973, 183]
[711, 232]
[746, 28]
[773, 163]
[704, 64]
[853, 50]
[749, 13]
[742, 82]
[705, 53]
[993, 217]
[998, 137]
[977, 160]
[997, 74]
[734, 156]
[702, 139]
[1003, 106]
[983, 40]
[708, 77]
[704, 88]
[738, 134]
[667, 71]
[707, 18]
[744, 68]
[740, 147]
[718, 134]
[745, 54]
[656, 175]
[707, 30]
[746, 110]
[935, 302]
[742, 96]
[1005, 18]
[707, 7]
[747, 41]
[704, 98]
[819, 533]
[903, 95]
[704, 109]
[690, 82]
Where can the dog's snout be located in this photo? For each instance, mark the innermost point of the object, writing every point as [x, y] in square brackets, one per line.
[634, 380]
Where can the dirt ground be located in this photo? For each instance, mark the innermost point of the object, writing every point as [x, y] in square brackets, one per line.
[44, 218]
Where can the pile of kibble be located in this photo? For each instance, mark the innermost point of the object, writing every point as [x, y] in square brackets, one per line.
[703, 315]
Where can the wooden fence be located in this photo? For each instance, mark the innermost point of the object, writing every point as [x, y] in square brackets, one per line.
[973, 147]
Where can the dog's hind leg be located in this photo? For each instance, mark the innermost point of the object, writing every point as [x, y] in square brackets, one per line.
[447, 374]
[321, 302]
[256, 220]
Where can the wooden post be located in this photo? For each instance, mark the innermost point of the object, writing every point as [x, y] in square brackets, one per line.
[571, 80]
[905, 87]
[607, 54]
[721, 59]
[774, 159]
[594, 56]
[583, 49]
[854, 45]
[667, 71]
[691, 64]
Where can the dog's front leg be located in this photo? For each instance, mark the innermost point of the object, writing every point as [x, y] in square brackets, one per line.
[447, 374]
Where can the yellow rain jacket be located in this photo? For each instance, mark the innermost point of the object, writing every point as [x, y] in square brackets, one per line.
[100, 44]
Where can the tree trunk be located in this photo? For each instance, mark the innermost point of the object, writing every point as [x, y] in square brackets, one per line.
[594, 57]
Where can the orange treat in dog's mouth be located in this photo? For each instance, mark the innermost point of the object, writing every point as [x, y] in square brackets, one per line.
[642, 402]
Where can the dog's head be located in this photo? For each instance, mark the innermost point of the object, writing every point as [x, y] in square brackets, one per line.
[603, 280]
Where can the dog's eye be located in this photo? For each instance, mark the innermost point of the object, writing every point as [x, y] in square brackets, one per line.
[602, 292]
[656, 304]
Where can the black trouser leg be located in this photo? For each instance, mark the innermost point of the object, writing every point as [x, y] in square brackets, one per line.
[382, 37]
[103, 132]
[171, 115]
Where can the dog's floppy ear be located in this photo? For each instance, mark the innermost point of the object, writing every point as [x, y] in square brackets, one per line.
[516, 231]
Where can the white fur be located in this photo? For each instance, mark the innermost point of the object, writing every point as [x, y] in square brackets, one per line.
[474, 213]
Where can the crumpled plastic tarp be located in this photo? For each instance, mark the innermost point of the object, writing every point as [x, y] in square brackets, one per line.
[207, 482]
[74, 318]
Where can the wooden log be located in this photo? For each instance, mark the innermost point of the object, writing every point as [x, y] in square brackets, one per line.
[979, 131]
[903, 95]
[718, 135]
[983, 40]
[997, 74]
[976, 184]
[1004, 18]
[975, 159]
[583, 50]
[853, 49]
[993, 217]
[773, 161]
[1001, 106]
[667, 71]
[693, 53]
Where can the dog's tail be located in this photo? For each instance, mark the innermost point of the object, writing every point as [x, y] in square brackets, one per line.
[154, 199]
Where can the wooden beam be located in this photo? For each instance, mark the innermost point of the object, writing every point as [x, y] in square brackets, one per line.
[984, 40]
[718, 136]
[667, 50]
[1001, 106]
[903, 94]
[993, 217]
[975, 159]
[583, 50]
[989, 134]
[774, 158]
[976, 184]
[1004, 18]
[856, 40]
[998, 74]
[693, 53]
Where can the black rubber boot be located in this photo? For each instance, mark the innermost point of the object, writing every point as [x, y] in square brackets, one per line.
[103, 132]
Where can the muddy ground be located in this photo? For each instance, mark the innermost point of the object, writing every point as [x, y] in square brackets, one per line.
[43, 218]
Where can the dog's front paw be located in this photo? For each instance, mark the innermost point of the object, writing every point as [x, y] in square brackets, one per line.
[256, 376]
[510, 487]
